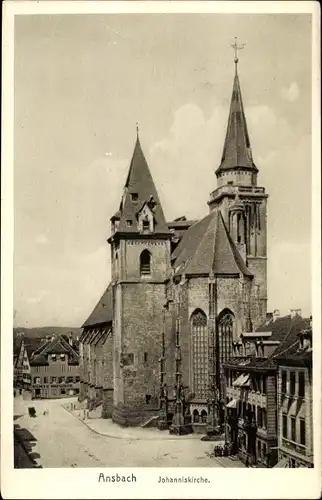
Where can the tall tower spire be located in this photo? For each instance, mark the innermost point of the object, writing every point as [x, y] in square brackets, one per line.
[237, 152]
[244, 214]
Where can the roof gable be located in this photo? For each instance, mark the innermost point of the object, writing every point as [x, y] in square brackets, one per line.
[57, 345]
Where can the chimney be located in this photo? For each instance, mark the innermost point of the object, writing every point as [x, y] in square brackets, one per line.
[295, 312]
[70, 340]
[276, 314]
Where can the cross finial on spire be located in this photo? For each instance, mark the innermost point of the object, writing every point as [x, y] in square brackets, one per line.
[236, 48]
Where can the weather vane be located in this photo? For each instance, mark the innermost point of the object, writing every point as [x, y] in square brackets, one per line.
[236, 48]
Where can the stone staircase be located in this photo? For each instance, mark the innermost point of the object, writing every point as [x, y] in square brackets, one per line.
[96, 412]
[150, 422]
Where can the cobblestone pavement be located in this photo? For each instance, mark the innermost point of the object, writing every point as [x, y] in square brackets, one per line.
[64, 441]
[106, 427]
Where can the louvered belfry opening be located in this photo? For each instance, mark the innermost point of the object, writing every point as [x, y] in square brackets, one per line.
[145, 263]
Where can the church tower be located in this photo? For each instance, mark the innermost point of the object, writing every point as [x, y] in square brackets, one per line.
[241, 201]
[140, 257]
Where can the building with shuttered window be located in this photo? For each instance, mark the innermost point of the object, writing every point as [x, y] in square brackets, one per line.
[55, 369]
[295, 421]
[251, 382]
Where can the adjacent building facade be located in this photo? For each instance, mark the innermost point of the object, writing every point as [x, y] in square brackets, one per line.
[55, 369]
[181, 292]
[21, 365]
[252, 394]
[295, 421]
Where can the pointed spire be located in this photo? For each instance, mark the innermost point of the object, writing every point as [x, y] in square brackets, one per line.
[237, 151]
[139, 189]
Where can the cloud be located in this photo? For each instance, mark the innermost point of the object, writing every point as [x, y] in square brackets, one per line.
[292, 93]
[41, 239]
[183, 165]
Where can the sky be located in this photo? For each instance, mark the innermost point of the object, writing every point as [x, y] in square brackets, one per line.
[81, 84]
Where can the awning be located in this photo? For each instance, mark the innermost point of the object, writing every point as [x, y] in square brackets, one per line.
[245, 381]
[232, 404]
[236, 383]
[282, 464]
[242, 380]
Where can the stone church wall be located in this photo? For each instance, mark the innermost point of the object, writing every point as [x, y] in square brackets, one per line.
[142, 324]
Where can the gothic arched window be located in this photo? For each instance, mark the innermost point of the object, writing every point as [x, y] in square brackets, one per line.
[225, 330]
[195, 416]
[145, 262]
[200, 357]
[204, 416]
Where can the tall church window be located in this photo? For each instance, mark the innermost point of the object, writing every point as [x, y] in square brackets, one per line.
[145, 262]
[200, 357]
[225, 331]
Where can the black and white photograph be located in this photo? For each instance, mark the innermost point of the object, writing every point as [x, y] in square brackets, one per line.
[163, 309]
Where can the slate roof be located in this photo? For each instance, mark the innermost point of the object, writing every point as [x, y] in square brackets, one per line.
[140, 182]
[103, 311]
[285, 329]
[284, 326]
[251, 362]
[206, 248]
[178, 227]
[57, 345]
[237, 151]
[290, 348]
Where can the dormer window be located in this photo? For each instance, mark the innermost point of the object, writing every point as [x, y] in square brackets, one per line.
[134, 197]
[62, 357]
[129, 223]
[53, 357]
[146, 225]
[115, 225]
[146, 219]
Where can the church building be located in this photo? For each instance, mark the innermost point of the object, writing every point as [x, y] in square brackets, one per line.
[180, 293]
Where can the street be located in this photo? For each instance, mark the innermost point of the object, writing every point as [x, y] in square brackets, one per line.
[62, 440]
